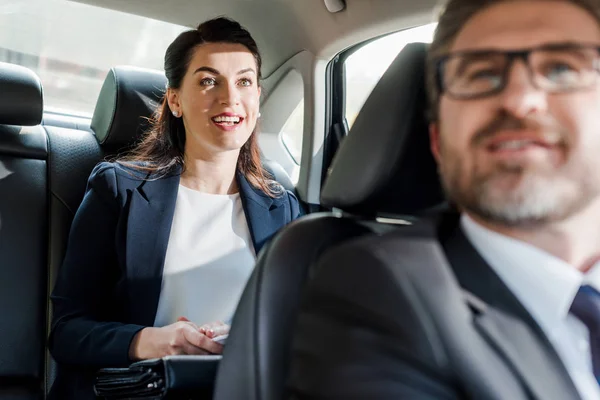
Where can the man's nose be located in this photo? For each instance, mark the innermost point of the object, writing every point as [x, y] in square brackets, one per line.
[521, 97]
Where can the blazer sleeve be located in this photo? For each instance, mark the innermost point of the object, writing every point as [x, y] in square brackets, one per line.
[360, 336]
[296, 210]
[82, 331]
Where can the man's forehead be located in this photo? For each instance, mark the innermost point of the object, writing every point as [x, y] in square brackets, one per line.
[522, 24]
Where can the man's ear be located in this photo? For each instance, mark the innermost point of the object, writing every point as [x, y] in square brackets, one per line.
[434, 140]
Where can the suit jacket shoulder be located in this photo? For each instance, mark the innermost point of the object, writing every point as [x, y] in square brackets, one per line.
[112, 180]
[389, 310]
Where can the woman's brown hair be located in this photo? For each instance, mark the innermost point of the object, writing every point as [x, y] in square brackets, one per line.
[162, 148]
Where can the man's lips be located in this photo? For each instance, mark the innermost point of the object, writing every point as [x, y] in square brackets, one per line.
[518, 141]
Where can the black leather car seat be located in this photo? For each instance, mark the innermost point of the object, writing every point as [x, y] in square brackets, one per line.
[23, 234]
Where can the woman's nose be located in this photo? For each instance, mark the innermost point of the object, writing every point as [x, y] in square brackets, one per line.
[229, 95]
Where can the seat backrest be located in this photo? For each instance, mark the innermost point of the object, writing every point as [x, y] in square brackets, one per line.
[23, 234]
[396, 177]
[72, 154]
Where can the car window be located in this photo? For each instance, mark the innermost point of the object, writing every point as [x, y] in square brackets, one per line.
[364, 68]
[71, 46]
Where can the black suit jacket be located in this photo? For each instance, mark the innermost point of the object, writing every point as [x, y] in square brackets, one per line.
[418, 314]
[109, 284]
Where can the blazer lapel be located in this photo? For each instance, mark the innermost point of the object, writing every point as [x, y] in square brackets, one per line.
[151, 210]
[265, 215]
[506, 324]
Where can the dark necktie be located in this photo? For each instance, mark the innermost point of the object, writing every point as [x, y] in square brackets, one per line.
[586, 307]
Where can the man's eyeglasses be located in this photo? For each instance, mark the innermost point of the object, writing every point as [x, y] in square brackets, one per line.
[555, 68]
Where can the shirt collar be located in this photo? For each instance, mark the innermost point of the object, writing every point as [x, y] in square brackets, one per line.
[543, 283]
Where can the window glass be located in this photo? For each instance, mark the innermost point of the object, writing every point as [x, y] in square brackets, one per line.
[71, 46]
[364, 68]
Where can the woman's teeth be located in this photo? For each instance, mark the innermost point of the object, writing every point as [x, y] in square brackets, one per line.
[226, 120]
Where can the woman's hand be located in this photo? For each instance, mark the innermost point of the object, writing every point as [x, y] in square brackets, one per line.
[212, 329]
[182, 337]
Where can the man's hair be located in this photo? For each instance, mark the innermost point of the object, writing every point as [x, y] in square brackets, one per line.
[455, 14]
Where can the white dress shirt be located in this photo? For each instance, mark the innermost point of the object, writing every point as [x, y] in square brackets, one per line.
[209, 259]
[546, 286]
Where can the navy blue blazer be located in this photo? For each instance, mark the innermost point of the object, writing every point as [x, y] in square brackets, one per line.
[109, 284]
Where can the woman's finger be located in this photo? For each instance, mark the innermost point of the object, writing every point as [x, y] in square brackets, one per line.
[191, 350]
[194, 342]
[187, 321]
[214, 329]
[218, 331]
[212, 347]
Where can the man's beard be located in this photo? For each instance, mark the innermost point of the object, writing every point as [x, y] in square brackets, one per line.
[519, 194]
[535, 200]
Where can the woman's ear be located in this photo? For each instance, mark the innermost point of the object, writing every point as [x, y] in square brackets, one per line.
[173, 100]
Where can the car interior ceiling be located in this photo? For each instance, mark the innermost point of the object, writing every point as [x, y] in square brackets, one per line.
[295, 26]
[45, 160]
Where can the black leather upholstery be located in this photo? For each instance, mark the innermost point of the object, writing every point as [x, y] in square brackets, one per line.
[72, 155]
[128, 97]
[43, 174]
[23, 235]
[23, 141]
[21, 101]
[385, 165]
[254, 365]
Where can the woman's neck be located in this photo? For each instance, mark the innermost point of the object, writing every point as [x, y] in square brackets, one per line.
[212, 174]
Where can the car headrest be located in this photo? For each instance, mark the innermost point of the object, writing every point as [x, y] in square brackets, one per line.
[385, 166]
[21, 102]
[128, 97]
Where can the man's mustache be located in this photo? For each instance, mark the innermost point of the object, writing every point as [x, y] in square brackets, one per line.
[546, 128]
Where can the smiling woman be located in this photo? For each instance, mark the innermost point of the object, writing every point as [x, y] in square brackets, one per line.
[220, 94]
[212, 75]
[195, 188]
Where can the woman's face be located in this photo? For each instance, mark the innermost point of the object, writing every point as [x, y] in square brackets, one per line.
[218, 99]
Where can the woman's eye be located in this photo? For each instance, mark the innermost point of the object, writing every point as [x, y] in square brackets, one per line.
[207, 82]
[245, 82]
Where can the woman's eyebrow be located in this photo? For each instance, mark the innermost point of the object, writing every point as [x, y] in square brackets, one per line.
[207, 69]
[243, 71]
[216, 72]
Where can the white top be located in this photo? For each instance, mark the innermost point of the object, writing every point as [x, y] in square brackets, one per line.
[209, 259]
[546, 286]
